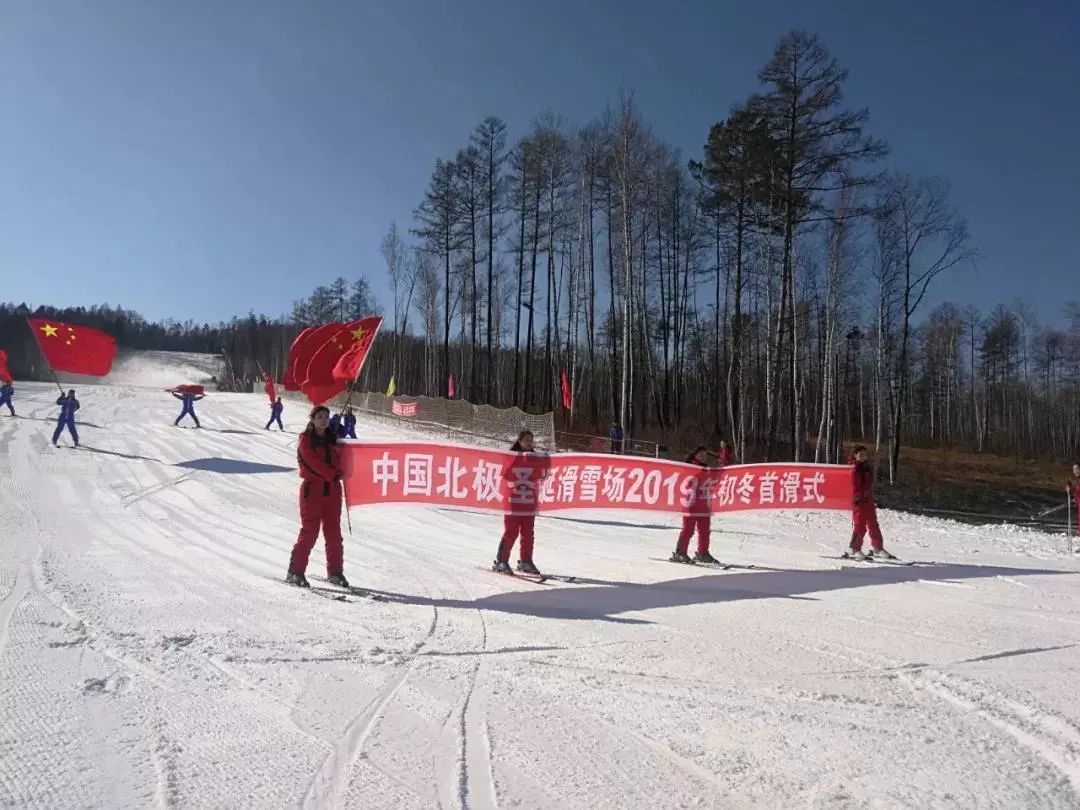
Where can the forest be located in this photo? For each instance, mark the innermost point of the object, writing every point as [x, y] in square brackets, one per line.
[770, 289]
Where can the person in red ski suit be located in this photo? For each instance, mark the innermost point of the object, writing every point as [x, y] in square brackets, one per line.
[702, 524]
[518, 525]
[864, 509]
[1072, 486]
[319, 458]
[724, 454]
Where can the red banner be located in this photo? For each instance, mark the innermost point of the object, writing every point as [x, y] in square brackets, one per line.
[501, 481]
[405, 408]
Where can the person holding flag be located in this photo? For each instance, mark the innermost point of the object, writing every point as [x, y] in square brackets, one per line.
[188, 397]
[7, 391]
[276, 407]
[68, 406]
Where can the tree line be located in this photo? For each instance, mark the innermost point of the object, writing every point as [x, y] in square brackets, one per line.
[770, 290]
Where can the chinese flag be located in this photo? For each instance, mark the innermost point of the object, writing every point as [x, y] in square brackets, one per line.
[5, 375]
[361, 335]
[305, 345]
[567, 395]
[288, 379]
[339, 359]
[74, 349]
[270, 390]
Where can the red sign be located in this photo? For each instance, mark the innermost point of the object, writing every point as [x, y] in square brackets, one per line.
[405, 408]
[529, 483]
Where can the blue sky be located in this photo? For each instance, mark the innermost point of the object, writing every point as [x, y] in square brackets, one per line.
[204, 158]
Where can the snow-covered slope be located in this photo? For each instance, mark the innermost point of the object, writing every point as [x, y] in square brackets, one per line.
[149, 659]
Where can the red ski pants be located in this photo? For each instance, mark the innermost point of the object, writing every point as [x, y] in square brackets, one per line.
[513, 525]
[864, 519]
[702, 525]
[320, 506]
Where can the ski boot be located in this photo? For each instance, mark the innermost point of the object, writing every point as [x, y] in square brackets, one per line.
[527, 567]
[854, 554]
[337, 579]
[679, 557]
[500, 567]
[880, 554]
[706, 558]
[299, 580]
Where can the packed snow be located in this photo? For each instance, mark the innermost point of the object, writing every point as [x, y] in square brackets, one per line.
[151, 657]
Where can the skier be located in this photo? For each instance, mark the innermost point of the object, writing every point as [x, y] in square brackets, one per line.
[702, 524]
[616, 436]
[68, 405]
[348, 424]
[515, 525]
[7, 391]
[189, 401]
[1072, 486]
[334, 426]
[319, 459]
[276, 407]
[724, 454]
[864, 510]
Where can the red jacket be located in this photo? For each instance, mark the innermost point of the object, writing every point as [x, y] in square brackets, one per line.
[319, 459]
[862, 481]
[725, 456]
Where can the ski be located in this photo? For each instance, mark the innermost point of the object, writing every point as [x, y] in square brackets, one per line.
[868, 560]
[717, 566]
[352, 589]
[325, 593]
[541, 579]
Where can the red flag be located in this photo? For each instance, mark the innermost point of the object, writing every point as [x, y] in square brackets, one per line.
[320, 383]
[305, 345]
[349, 364]
[5, 375]
[194, 390]
[75, 349]
[288, 380]
[567, 395]
[270, 390]
[450, 387]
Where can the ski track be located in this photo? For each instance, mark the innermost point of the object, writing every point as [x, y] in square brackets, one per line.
[149, 658]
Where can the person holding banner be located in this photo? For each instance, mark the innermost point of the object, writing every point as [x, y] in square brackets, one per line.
[188, 400]
[1072, 486]
[276, 407]
[518, 525]
[864, 516]
[702, 524]
[319, 458]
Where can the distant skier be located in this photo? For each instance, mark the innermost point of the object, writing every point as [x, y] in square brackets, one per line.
[518, 525]
[1072, 486]
[68, 406]
[348, 425]
[615, 434]
[276, 407]
[864, 510]
[702, 524]
[7, 391]
[319, 459]
[724, 454]
[189, 400]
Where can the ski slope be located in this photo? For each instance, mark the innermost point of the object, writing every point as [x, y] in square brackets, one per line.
[148, 657]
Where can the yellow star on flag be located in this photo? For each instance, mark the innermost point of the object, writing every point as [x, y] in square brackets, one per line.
[358, 333]
[49, 330]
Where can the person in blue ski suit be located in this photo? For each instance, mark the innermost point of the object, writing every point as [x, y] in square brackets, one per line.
[276, 407]
[189, 401]
[348, 425]
[68, 405]
[335, 424]
[7, 391]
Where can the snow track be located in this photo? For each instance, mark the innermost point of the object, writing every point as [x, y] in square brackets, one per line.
[148, 657]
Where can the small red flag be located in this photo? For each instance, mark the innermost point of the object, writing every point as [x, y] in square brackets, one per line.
[450, 387]
[74, 349]
[271, 391]
[567, 394]
[5, 375]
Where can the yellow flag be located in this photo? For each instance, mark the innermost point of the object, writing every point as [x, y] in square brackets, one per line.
[391, 389]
